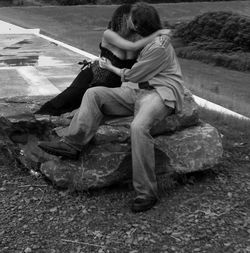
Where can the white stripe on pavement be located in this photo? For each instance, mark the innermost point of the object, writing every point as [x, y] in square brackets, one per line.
[7, 28]
[38, 84]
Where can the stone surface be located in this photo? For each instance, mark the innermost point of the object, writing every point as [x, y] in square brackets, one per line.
[192, 149]
[184, 145]
[9, 152]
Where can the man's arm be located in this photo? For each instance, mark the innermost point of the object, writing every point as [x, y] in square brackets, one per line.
[151, 62]
[149, 65]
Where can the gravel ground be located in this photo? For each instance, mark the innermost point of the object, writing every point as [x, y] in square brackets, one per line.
[201, 212]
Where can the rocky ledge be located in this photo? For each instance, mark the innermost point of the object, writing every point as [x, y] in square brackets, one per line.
[185, 144]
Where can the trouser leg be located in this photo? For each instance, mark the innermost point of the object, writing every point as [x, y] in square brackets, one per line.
[69, 99]
[97, 102]
[151, 111]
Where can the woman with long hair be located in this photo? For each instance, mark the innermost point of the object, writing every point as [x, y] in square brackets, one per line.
[118, 45]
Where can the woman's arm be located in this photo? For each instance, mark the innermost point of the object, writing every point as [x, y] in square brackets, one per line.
[113, 38]
[106, 64]
[149, 64]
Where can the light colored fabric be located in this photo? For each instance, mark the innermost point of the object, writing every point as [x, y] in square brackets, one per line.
[151, 110]
[157, 63]
[98, 101]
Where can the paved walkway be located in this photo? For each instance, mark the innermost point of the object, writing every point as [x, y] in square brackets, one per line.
[31, 65]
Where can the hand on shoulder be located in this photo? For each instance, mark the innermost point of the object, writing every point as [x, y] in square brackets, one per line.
[167, 32]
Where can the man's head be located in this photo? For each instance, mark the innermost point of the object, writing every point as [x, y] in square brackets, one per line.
[145, 19]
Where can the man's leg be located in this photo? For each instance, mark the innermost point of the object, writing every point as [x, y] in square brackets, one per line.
[151, 111]
[96, 102]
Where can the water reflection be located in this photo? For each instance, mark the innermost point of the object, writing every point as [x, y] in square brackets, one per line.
[49, 61]
[29, 60]
[22, 42]
[12, 48]
[20, 61]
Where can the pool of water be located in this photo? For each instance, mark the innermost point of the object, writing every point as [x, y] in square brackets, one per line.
[29, 60]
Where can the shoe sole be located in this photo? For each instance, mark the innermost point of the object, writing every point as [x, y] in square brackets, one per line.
[61, 153]
[142, 208]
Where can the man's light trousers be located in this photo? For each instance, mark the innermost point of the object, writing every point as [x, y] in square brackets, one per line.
[150, 109]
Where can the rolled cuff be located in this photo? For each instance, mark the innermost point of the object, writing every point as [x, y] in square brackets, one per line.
[123, 75]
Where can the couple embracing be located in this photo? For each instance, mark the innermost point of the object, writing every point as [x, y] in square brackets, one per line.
[155, 87]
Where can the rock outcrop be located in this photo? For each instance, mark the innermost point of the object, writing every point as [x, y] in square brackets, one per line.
[183, 144]
[192, 149]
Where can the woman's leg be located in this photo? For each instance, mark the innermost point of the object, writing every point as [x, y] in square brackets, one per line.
[70, 99]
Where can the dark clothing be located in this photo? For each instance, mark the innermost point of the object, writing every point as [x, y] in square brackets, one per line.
[90, 76]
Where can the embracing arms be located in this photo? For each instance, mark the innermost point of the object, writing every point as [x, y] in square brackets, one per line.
[150, 63]
[118, 41]
[106, 64]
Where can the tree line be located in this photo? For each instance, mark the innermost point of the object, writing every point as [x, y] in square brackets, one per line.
[75, 2]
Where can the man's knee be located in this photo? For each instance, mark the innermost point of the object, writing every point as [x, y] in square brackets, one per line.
[93, 93]
[93, 90]
[137, 127]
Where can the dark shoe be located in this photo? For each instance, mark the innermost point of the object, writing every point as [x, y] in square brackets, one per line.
[59, 148]
[141, 205]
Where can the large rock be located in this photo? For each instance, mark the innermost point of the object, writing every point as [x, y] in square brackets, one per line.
[106, 163]
[9, 152]
[183, 145]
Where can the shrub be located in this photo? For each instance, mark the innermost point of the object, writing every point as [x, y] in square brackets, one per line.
[74, 2]
[217, 28]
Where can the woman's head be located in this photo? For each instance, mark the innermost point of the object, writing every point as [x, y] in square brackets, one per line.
[119, 20]
[145, 19]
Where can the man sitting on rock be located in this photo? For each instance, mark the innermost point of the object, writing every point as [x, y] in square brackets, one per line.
[160, 93]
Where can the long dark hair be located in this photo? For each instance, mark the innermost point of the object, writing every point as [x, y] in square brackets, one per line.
[145, 19]
[118, 20]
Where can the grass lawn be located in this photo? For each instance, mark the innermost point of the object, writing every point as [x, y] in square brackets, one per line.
[228, 88]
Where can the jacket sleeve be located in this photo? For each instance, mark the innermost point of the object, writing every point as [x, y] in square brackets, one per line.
[149, 64]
